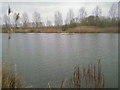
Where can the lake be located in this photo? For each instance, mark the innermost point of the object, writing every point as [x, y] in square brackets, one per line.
[44, 57]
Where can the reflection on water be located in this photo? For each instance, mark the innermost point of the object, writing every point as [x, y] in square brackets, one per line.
[41, 58]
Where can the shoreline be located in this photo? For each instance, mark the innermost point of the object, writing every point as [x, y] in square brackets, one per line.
[63, 32]
[80, 29]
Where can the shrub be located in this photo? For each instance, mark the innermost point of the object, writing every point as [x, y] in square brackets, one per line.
[64, 27]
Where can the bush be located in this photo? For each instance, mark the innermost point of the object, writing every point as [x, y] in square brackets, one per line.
[72, 25]
[64, 27]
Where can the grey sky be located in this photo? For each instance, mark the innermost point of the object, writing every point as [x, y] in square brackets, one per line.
[47, 9]
[59, 0]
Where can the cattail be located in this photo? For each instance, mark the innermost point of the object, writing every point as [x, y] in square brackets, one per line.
[17, 16]
[91, 72]
[62, 84]
[99, 69]
[94, 71]
[9, 10]
[76, 77]
[83, 72]
[103, 81]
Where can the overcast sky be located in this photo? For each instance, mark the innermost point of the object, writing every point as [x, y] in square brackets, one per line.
[59, 0]
[48, 8]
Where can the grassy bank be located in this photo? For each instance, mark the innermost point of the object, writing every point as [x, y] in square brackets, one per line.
[79, 29]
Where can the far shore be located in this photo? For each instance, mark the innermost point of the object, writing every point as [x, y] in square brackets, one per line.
[80, 29]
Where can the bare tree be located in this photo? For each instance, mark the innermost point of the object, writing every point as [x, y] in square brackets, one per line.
[48, 23]
[70, 17]
[97, 11]
[113, 12]
[66, 21]
[82, 13]
[6, 20]
[25, 19]
[14, 20]
[9, 26]
[36, 19]
[58, 18]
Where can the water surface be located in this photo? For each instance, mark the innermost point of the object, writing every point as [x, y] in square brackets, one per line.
[41, 58]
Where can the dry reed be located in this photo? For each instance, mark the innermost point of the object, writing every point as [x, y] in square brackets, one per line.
[90, 76]
[10, 79]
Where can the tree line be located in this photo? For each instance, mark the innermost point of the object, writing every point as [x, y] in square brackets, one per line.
[82, 19]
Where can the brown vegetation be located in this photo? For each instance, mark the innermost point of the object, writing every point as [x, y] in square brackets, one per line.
[93, 29]
[79, 29]
[89, 77]
[10, 79]
[92, 76]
